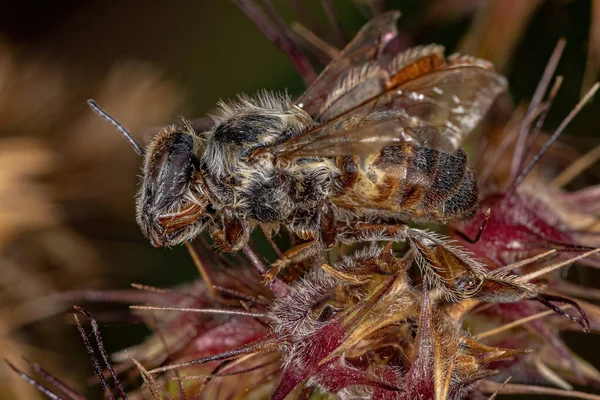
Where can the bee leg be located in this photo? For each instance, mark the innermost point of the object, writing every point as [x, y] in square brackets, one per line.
[362, 232]
[546, 299]
[235, 231]
[295, 254]
[486, 218]
[450, 268]
[446, 266]
[327, 227]
[326, 238]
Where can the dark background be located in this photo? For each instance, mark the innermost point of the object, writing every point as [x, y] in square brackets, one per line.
[149, 62]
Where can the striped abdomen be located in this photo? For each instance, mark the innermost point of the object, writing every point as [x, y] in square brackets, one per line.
[408, 182]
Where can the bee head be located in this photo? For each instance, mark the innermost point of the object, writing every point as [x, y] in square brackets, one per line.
[171, 205]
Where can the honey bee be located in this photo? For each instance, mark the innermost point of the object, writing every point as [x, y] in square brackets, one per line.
[372, 144]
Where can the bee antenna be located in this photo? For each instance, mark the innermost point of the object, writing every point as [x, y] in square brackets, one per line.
[111, 120]
[552, 139]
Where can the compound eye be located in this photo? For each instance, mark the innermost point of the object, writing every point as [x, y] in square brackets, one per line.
[171, 169]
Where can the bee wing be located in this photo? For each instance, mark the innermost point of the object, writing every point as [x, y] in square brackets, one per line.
[437, 109]
[453, 100]
[368, 138]
[367, 46]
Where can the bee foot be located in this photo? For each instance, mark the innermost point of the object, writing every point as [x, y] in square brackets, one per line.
[276, 267]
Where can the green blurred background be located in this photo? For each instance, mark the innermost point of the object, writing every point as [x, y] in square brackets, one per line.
[67, 214]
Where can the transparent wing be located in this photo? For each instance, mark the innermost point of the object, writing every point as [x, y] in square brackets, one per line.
[368, 138]
[429, 98]
[453, 100]
[361, 84]
[366, 46]
[437, 109]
